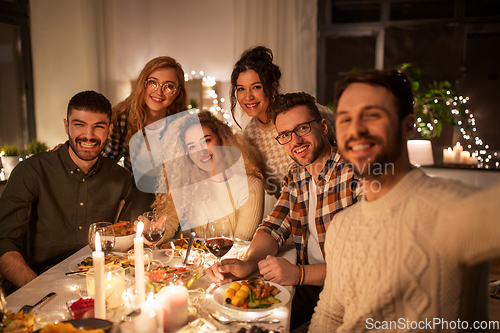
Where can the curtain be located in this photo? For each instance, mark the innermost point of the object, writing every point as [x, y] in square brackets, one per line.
[289, 29]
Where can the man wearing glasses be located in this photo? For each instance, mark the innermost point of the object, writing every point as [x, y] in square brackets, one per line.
[317, 187]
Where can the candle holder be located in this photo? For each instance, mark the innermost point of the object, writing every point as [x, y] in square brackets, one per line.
[114, 285]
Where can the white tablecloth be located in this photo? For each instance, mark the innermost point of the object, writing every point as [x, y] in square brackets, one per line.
[71, 287]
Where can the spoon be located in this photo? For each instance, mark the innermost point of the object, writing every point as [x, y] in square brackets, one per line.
[190, 244]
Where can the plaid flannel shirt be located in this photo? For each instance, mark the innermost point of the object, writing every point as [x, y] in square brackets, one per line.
[116, 147]
[337, 189]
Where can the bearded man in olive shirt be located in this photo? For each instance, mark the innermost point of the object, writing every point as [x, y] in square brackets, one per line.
[51, 198]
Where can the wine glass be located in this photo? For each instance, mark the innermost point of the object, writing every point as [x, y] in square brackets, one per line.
[106, 233]
[219, 237]
[154, 227]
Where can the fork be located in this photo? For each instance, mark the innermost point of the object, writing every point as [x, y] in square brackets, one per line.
[226, 321]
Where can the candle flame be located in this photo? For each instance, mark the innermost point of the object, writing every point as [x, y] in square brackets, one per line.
[140, 228]
[172, 245]
[97, 242]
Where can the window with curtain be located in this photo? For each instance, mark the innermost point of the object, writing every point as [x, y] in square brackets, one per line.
[17, 121]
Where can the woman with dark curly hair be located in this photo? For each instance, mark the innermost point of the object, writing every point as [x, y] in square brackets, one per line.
[206, 165]
[254, 86]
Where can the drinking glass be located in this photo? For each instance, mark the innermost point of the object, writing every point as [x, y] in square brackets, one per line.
[154, 227]
[106, 233]
[219, 237]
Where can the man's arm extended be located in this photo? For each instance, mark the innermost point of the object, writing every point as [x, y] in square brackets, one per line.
[14, 269]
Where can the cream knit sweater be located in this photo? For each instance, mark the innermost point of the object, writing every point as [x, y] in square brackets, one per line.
[413, 256]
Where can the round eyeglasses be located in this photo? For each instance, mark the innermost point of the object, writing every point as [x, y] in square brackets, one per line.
[300, 130]
[168, 88]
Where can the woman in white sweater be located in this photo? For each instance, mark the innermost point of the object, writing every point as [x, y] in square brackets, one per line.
[211, 172]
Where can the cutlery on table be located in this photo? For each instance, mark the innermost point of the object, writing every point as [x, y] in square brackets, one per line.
[76, 273]
[190, 245]
[226, 321]
[28, 308]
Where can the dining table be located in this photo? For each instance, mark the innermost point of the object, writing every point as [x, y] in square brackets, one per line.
[202, 296]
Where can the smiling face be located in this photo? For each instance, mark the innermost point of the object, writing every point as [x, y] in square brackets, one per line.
[250, 95]
[369, 133]
[308, 148]
[87, 132]
[157, 101]
[201, 143]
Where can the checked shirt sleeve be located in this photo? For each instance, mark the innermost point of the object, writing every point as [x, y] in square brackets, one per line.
[278, 222]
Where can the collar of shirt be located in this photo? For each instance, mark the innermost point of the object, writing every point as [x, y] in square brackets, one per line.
[327, 171]
[72, 168]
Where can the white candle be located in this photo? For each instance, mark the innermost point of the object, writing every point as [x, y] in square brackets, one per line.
[114, 285]
[153, 305]
[98, 263]
[448, 156]
[464, 157]
[145, 322]
[174, 300]
[458, 151]
[139, 264]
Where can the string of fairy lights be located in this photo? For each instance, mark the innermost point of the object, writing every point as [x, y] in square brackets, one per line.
[210, 99]
[487, 158]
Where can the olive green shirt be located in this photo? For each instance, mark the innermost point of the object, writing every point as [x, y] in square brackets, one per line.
[48, 205]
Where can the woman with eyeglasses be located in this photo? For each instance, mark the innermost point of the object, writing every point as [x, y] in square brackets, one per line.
[254, 86]
[158, 92]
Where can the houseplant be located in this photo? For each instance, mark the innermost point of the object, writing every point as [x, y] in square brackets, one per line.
[10, 158]
[434, 105]
[36, 146]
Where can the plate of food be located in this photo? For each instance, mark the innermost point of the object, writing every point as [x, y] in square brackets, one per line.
[258, 295]
[182, 243]
[164, 276]
[84, 263]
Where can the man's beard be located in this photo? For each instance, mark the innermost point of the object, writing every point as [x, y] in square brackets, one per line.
[313, 157]
[85, 155]
[384, 161]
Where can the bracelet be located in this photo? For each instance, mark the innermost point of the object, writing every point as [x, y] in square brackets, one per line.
[301, 273]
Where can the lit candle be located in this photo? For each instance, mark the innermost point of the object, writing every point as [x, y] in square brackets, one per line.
[174, 300]
[464, 157]
[139, 264]
[448, 156]
[145, 322]
[458, 151]
[98, 263]
[153, 305]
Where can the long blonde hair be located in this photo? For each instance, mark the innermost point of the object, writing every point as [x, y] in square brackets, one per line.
[135, 105]
[186, 172]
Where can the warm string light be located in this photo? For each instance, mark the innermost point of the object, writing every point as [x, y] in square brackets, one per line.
[210, 82]
[468, 130]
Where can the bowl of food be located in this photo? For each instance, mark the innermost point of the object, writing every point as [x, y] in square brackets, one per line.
[124, 236]
[81, 308]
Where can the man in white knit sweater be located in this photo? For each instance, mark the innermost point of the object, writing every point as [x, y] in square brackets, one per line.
[411, 255]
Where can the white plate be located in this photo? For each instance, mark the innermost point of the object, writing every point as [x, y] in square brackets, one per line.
[73, 265]
[283, 296]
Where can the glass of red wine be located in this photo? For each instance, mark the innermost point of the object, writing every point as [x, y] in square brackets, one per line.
[154, 227]
[219, 237]
[106, 234]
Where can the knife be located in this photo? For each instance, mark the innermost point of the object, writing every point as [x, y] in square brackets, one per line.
[28, 308]
[76, 273]
[190, 244]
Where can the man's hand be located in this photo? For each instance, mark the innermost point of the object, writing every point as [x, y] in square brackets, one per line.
[279, 270]
[230, 269]
[56, 147]
[14, 269]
